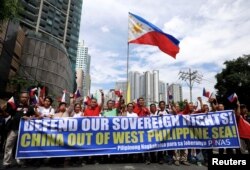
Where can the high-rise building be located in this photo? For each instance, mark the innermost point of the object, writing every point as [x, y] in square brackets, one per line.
[83, 61]
[175, 90]
[156, 86]
[162, 91]
[131, 80]
[148, 87]
[111, 95]
[142, 86]
[59, 19]
[79, 79]
[137, 85]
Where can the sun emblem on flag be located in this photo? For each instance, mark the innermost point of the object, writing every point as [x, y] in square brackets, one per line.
[137, 28]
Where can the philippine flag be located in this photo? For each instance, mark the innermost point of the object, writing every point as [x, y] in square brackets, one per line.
[232, 97]
[77, 94]
[63, 99]
[206, 93]
[11, 101]
[143, 32]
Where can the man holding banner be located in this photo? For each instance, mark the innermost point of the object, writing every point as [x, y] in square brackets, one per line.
[22, 111]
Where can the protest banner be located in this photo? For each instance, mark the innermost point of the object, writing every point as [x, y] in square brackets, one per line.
[67, 137]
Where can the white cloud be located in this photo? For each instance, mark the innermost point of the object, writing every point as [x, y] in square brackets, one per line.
[105, 28]
[210, 33]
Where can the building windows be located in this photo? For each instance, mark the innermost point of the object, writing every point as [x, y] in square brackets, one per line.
[49, 21]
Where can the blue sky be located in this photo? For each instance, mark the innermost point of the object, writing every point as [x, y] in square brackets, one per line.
[210, 32]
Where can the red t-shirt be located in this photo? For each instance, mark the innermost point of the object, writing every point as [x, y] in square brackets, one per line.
[141, 111]
[92, 111]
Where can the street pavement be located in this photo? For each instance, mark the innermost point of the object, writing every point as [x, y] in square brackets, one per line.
[133, 166]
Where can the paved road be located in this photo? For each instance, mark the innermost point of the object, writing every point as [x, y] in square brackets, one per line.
[134, 166]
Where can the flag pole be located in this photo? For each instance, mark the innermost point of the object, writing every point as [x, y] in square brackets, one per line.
[127, 60]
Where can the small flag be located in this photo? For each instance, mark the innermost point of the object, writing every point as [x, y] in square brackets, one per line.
[206, 93]
[212, 96]
[144, 32]
[63, 99]
[77, 94]
[232, 97]
[118, 93]
[35, 100]
[87, 100]
[243, 128]
[11, 101]
[42, 92]
[32, 92]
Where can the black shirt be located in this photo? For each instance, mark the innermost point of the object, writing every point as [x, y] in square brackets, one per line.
[20, 111]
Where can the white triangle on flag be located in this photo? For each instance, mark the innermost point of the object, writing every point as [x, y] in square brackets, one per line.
[63, 96]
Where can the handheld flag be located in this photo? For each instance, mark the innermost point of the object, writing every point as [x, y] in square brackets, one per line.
[77, 94]
[206, 93]
[11, 101]
[232, 97]
[87, 100]
[118, 93]
[34, 100]
[144, 32]
[32, 92]
[243, 128]
[63, 99]
[42, 92]
[212, 95]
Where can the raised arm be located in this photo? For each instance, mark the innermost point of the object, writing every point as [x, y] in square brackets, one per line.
[237, 112]
[102, 102]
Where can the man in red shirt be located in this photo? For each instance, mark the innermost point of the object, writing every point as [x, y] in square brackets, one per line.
[94, 109]
[140, 109]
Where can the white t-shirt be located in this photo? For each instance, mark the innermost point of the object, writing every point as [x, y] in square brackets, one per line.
[46, 111]
[132, 114]
[79, 114]
[153, 114]
[161, 113]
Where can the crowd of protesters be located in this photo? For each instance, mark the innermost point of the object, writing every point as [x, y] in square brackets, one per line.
[10, 118]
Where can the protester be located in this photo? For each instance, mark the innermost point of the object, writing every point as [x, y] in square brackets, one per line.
[62, 110]
[77, 112]
[94, 109]
[46, 110]
[153, 110]
[3, 126]
[22, 111]
[151, 156]
[111, 111]
[140, 108]
[162, 112]
[241, 119]
[130, 112]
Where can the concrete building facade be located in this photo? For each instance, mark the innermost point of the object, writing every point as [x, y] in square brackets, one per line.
[175, 90]
[45, 61]
[11, 44]
[59, 19]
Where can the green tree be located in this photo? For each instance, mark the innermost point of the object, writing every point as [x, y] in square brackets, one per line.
[9, 9]
[234, 78]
